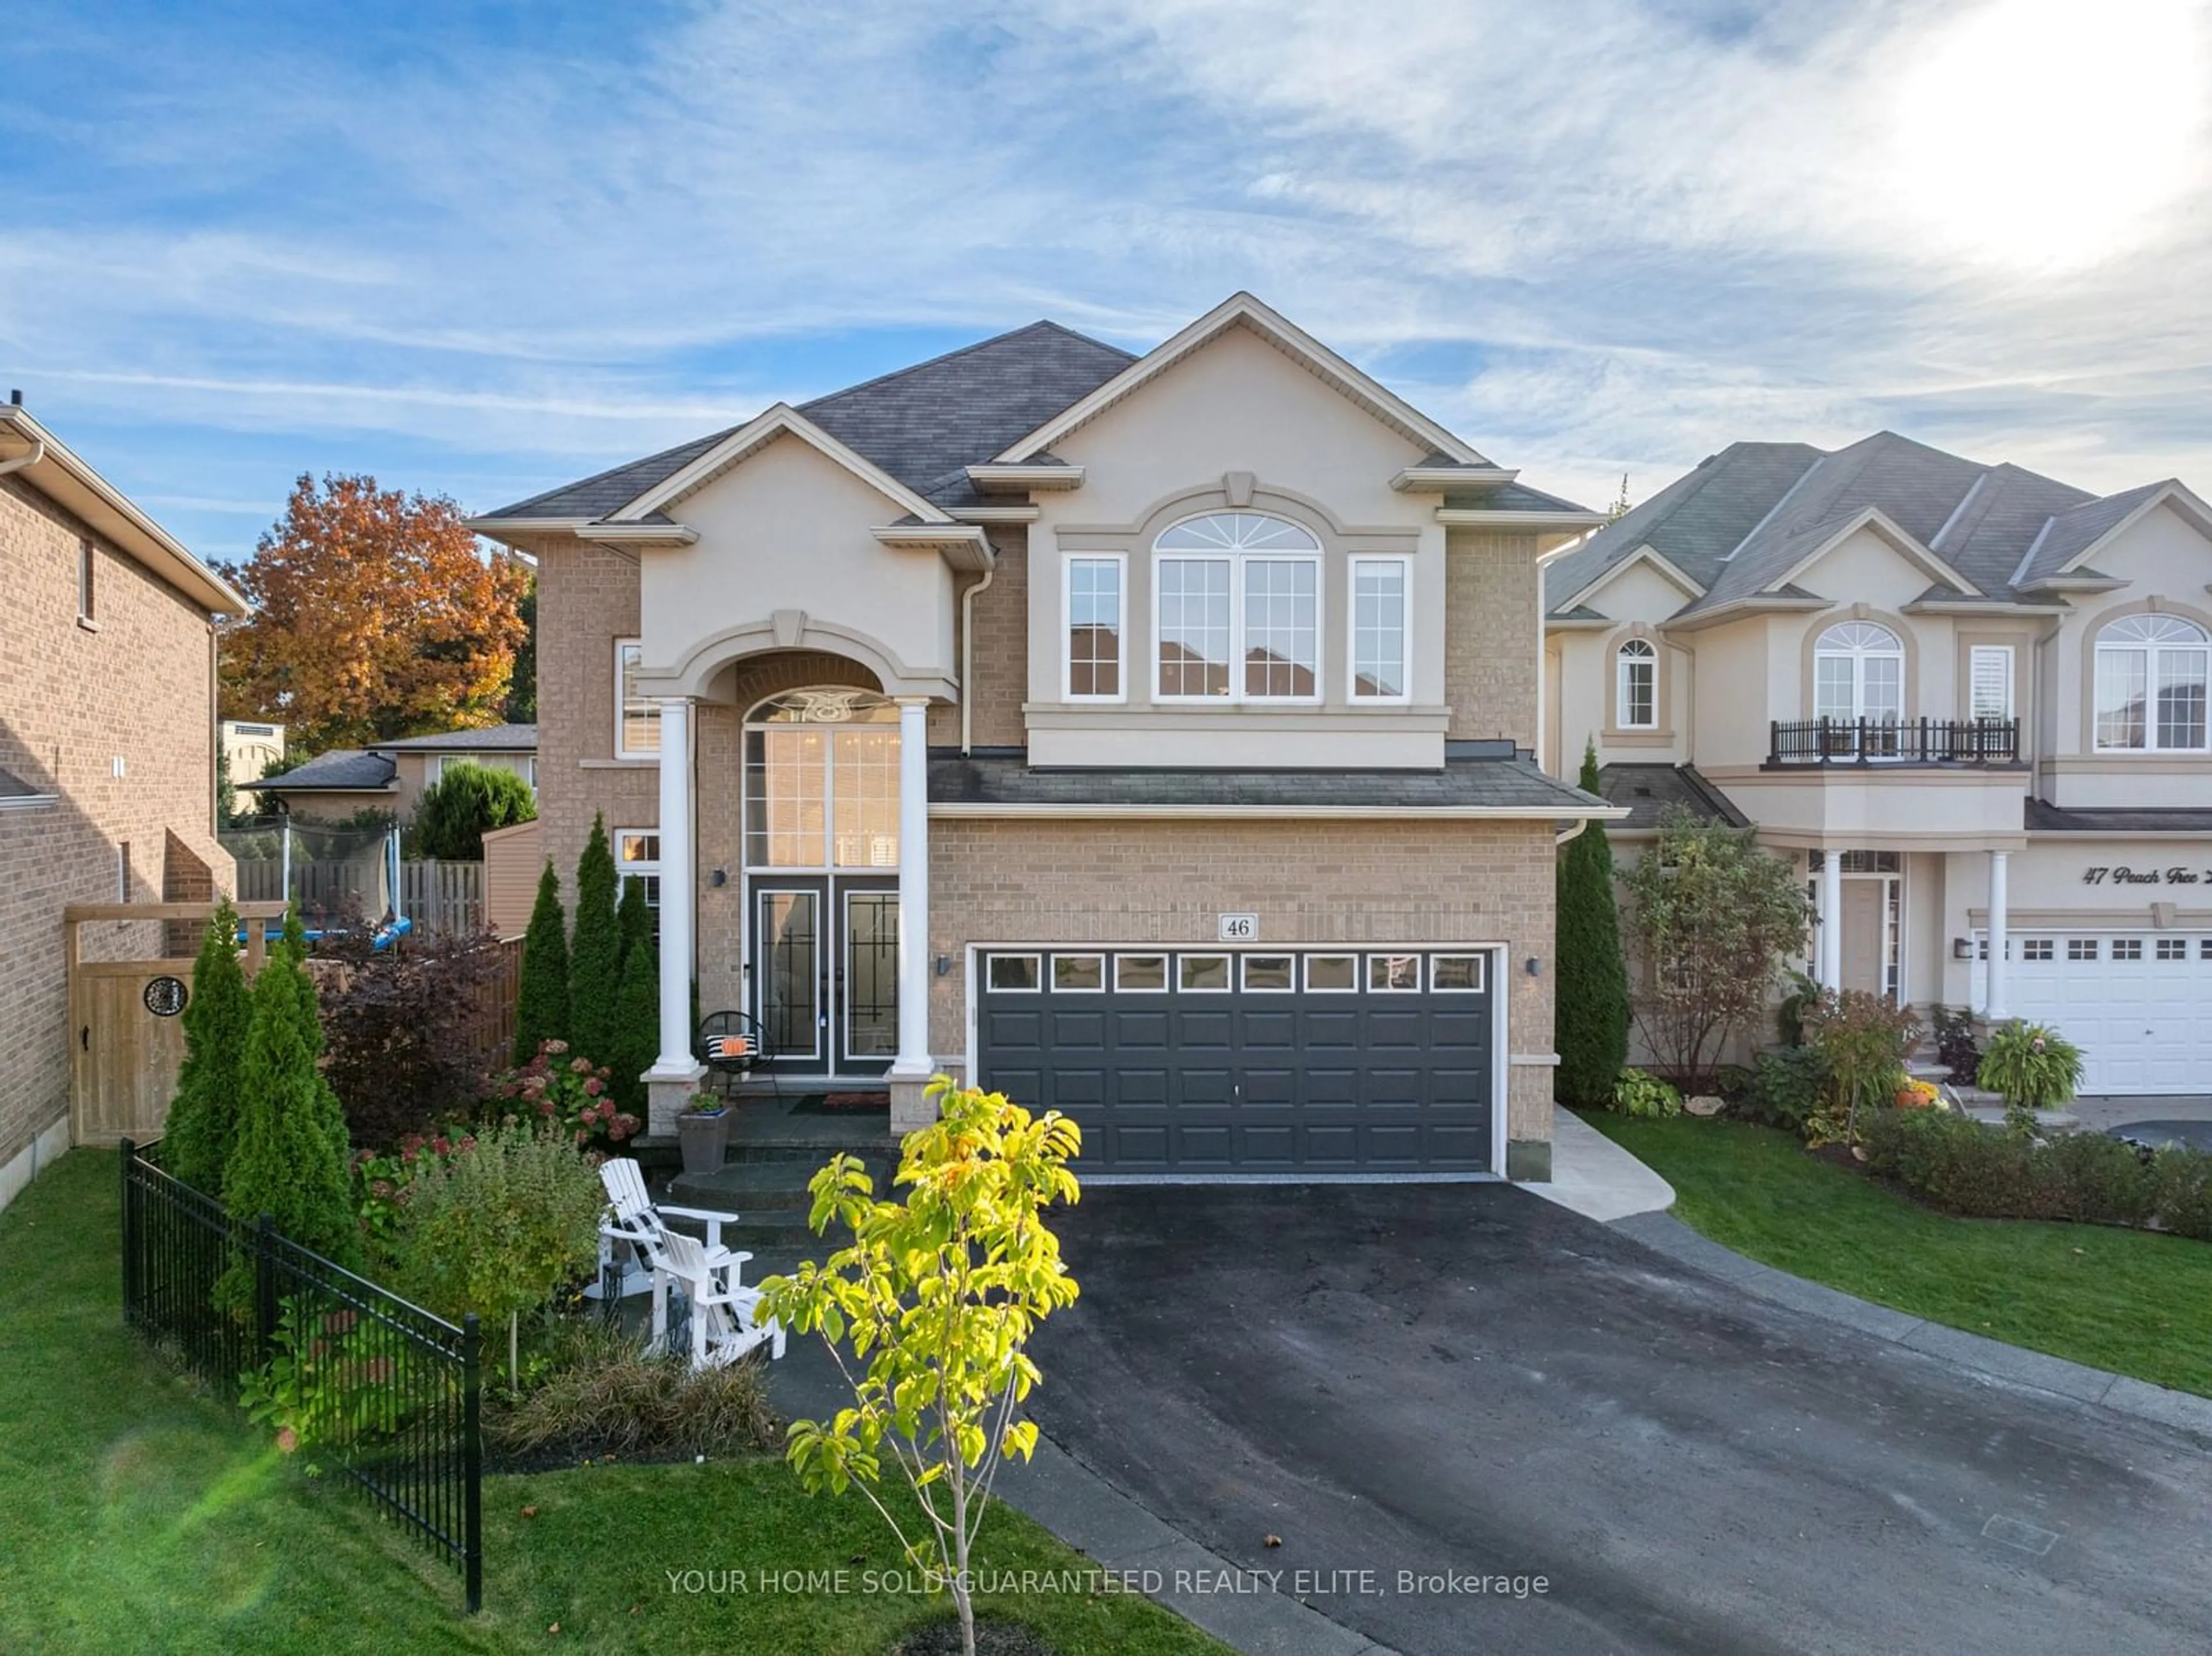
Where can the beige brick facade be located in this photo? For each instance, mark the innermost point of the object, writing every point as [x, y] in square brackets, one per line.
[1058, 880]
[1491, 651]
[136, 686]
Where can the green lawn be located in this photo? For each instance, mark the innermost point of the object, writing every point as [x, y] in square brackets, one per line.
[2123, 1300]
[139, 1515]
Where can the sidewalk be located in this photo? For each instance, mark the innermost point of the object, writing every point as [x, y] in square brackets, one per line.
[1595, 1177]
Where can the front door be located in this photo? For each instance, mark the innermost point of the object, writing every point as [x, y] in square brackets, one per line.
[825, 971]
[1865, 956]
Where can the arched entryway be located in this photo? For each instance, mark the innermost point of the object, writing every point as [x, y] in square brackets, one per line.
[820, 808]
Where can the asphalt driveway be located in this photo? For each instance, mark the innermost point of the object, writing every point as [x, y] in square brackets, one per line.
[1462, 1381]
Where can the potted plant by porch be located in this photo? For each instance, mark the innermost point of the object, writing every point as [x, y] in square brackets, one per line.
[703, 1130]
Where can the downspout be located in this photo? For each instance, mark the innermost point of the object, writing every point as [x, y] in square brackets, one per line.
[1581, 822]
[968, 660]
[30, 456]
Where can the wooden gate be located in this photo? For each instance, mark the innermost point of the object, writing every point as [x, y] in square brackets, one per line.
[126, 1038]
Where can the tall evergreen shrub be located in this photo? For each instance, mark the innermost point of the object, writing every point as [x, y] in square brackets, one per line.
[637, 1001]
[595, 951]
[542, 1005]
[204, 1117]
[1590, 1011]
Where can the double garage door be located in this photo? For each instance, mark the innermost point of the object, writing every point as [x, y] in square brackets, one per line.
[2138, 1004]
[1248, 1061]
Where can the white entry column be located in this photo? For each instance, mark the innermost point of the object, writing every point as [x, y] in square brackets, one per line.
[1994, 1003]
[911, 1070]
[1831, 956]
[675, 1073]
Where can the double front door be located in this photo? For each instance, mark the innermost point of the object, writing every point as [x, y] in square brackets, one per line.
[825, 971]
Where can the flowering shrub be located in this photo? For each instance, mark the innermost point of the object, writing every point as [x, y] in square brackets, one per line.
[329, 1383]
[381, 1182]
[1918, 1094]
[570, 1090]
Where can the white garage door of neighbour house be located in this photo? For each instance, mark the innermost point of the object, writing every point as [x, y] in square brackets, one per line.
[2138, 1004]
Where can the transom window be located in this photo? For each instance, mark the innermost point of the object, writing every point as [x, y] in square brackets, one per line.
[1238, 609]
[1859, 673]
[2151, 678]
[821, 781]
[637, 857]
[1636, 685]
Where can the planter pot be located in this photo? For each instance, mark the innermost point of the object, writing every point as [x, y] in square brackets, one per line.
[705, 1139]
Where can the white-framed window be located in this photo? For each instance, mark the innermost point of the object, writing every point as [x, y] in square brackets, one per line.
[637, 719]
[1269, 974]
[1237, 610]
[1636, 686]
[1332, 974]
[1381, 602]
[2174, 949]
[2151, 678]
[637, 857]
[1079, 974]
[1988, 681]
[2081, 949]
[1394, 973]
[2031, 948]
[1096, 593]
[1202, 974]
[1859, 673]
[1015, 973]
[1455, 973]
[1141, 974]
[2127, 949]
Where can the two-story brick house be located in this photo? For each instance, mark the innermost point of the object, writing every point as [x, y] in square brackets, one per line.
[107, 733]
[1148, 736]
[1971, 701]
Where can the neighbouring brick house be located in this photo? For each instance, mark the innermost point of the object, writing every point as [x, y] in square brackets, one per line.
[1147, 737]
[107, 752]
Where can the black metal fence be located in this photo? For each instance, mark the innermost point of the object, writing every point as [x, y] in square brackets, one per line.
[371, 1389]
[1894, 741]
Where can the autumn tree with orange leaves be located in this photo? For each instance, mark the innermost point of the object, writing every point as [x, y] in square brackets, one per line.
[375, 616]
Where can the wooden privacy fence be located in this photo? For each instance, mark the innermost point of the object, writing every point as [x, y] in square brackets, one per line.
[491, 1029]
[126, 1037]
[445, 897]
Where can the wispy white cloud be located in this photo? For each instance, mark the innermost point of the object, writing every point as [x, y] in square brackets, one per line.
[1597, 235]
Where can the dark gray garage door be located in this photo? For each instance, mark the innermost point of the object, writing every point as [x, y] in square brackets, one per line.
[1254, 1061]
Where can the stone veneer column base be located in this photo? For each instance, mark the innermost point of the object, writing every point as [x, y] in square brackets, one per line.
[910, 1107]
[665, 1095]
[1528, 1161]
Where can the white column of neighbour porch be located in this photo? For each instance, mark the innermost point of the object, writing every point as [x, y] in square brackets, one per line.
[1994, 999]
[675, 1063]
[913, 1063]
[1830, 955]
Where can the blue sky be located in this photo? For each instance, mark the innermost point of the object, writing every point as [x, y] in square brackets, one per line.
[480, 247]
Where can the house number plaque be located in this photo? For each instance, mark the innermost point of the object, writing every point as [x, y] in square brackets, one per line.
[1239, 928]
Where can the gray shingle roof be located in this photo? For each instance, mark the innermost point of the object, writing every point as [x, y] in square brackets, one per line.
[1745, 516]
[924, 425]
[486, 739]
[2046, 818]
[1508, 497]
[349, 769]
[1005, 778]
[1649, 790]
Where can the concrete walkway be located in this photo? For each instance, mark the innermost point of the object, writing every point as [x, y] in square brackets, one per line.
[1595, 1177]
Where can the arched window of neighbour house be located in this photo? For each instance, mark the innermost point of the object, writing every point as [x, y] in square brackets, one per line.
[1636, 686]
[2151, 678]
[1859, 673]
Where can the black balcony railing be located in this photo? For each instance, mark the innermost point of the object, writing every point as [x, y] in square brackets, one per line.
[1894, 742]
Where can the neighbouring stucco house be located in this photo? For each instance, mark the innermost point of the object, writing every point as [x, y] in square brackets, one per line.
[107, 743]
[391, 776]
[1148, 736]
[1969, 700]
[251, 749]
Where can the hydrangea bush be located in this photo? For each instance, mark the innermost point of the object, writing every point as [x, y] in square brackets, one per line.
[558, 1085]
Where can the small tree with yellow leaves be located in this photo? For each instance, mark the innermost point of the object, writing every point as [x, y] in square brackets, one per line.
[937, 1297]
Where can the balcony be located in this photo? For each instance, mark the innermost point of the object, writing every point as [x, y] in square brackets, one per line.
[1893, 742]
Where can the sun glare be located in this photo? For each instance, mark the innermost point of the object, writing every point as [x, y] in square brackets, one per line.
[2050, 134]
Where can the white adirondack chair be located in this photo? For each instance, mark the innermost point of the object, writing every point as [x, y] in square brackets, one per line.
[722, 1309]
[634, 1233]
